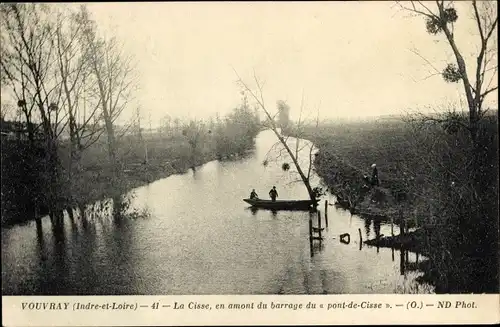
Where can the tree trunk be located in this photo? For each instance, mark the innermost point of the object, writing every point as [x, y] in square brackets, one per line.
[305, 180]
[108, 124]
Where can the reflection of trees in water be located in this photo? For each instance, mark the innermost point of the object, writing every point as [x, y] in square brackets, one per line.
[54, 263]
[117, 208]
[42, 251]
[72, 250]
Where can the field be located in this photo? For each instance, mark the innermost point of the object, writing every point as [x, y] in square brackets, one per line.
[426, 183]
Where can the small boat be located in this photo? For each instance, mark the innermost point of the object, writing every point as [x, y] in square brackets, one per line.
[280, 204]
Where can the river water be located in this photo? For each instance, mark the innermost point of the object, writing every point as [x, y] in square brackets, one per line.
[193, 234]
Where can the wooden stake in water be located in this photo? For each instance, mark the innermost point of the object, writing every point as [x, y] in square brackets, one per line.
[310, 228]
[319, 226]
[360, 236]
[326, 213]
[402, 261]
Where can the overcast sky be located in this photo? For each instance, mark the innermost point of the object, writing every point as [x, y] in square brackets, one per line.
[351, 59]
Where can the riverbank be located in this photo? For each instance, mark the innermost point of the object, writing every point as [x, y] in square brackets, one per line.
[175, 223]
[97, 183]
[417, 191]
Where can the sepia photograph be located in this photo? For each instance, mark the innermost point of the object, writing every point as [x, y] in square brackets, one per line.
[249, 148]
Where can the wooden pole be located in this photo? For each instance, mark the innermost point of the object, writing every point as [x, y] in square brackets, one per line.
[326, 213]
[402, 261]
[310, 229]
[401, 230]
[392, 226]
[360, 236]
[319, 225]
[311, 235]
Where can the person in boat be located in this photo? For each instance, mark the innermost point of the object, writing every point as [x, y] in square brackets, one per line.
[273, 193]
[375, 180]
[253, 195]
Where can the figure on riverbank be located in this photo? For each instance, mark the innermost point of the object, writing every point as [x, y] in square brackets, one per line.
[375, 180]
[253, 195]
[366, 180]
[273, 193]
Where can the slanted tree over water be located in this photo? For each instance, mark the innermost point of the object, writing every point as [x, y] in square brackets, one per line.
[293, 153]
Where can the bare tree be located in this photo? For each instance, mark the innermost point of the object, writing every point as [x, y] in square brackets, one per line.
[74, 70]
[292, 152]
[28, 66]
[479, 81]
[112, 73]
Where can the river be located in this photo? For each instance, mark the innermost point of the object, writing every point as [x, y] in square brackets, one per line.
[193, 234]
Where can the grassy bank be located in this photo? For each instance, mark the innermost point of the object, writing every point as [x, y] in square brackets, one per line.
[424, 184]
[167, 155]
[143, 157]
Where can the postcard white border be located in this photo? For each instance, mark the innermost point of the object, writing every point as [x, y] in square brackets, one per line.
[395, 309]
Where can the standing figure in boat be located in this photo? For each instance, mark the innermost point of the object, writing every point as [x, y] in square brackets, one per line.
[253, 195]
[273, 193]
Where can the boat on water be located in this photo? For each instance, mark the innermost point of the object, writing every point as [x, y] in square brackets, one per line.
[281, 204]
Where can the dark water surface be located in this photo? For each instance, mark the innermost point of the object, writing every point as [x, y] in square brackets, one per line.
[193, 234]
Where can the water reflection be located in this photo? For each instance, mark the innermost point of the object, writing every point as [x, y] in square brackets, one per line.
[368, 223]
